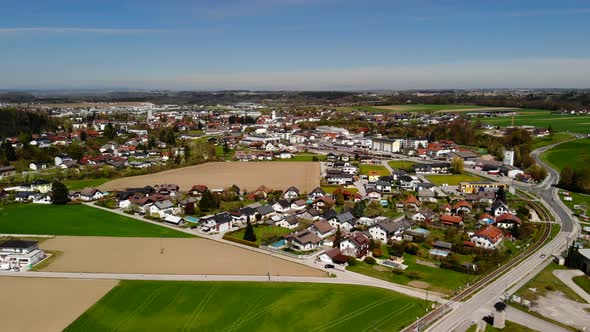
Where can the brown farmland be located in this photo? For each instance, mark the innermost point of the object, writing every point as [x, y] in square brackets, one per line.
[165, 256]
[38, 304]
[246, 175]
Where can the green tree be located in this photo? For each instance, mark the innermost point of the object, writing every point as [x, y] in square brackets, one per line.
[8, 151]
[208, 202]
[109, 131]
[337, 238]
[501, 194]
[59, 193]
[170, 138]
[567, 177]
[249, 234]
[83, 136]
[340, 198]
[457, 165]
[226, 148]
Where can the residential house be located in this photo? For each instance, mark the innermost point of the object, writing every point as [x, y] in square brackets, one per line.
[220, 223]
[265, 211]
[309, 214]
[37, 166]
[488, 237]
[291, 193]
[282, 206]
[303, 241]
[333, 255]
[407, 182]
[346, 221]
[462, 206]
[90, 194]
[507, 221]
[316, 193]
[411, 203]
[424, 215]
[41, 199]
[298, 205]
[323, 202]
[290, 222]
[20, 253]
[426, 196]
[386, 230]
[374, 194]
[499, 208]
[197, 191]
[356, 244]
[449, 220]
[322, 228]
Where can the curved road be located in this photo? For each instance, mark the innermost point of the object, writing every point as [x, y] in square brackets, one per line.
[481, 303]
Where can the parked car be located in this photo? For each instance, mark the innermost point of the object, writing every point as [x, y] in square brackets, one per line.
[328, 266]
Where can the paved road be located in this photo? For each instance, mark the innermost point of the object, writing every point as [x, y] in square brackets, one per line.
[480, 304]
[566, 277]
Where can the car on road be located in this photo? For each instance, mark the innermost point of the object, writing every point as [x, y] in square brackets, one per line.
[543, 255]
[328, 266]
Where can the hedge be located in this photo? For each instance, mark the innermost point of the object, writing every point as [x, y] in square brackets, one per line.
[240, 241]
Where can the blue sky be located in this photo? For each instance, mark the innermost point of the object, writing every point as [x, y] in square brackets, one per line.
[294, 44]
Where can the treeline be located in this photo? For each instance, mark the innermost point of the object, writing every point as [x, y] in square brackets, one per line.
[577, 180]
[14, 122]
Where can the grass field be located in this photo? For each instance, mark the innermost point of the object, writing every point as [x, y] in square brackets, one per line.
[439, 280]
[510, 326]
[366, 169]
[81, 184]
[578, 199]
[411, 108]
[332, 189]
[544, 118]
[210, 306]
[75, 220]
[452, 179]
[263, 233]
[401, 164]
[583, 282]
[545, 282]
[539, 142]
[575, 154]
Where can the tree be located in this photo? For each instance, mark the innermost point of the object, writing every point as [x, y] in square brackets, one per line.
[523, 213]
[567, 177]
[189, 209]
[249, 234]
[59, 193]
[337, 238]
[501, 194]
[340, 198]
[8, 151]
[208, 202]
[537, 172]
[457, 165]
[170, 138]
[109, 131]
[83, 136]
[358, 210]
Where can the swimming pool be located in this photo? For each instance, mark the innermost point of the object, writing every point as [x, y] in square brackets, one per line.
[279, 244]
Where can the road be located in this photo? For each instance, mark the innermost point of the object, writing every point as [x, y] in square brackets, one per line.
[481, 303]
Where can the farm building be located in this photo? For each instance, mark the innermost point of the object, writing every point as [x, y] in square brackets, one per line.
[20, 253]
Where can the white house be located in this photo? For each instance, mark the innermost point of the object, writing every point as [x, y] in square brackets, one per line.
[499, 208]
[42, 199]
[355, 244]
[162, 208]
[20, 253]
[290, 222]
[282, 206]
[488, 237]
[291, 193]
[90, 194]
[304, 241]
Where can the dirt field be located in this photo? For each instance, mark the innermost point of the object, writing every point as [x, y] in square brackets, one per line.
[246, 175]
[36, 304]
[180, 256]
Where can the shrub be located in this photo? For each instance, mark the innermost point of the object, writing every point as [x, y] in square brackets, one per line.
[377, 252]
[414, 275]
[370, 260]
[240, 241]
[352, 261]
[412, 249]
[397, 271]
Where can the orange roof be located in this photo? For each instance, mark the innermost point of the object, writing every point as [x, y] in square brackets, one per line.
[462, 204]
[485, 216]
[448, 219]
[508, 217]
[411, 200]
[493, 233]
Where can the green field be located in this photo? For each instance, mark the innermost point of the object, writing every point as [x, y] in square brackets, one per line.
[583, 282]
[401, 164]
[332, 189]
[382, 170]
[81, 184]
[79, 220]
[409, 108]
[452, 179]
[539, 142]
[243, 306]
[574, 153]
[263, 233]
[544, 119]
[439, 280]
[578, 199]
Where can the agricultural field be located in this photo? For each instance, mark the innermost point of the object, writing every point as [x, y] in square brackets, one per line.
[575, 154]
[539, 142]
[435, 279]
[366, 169]
[263, 233]
[246, 175]
[165, 256]
[410, 108]
[81, 184]
[38, 304]
[76, 219]
[544, 119]
[452, 179]
[401, 164]
[240, 306]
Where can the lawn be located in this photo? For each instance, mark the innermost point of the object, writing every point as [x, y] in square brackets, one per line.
[305, 157]
[81, 184]
[332, 189]
[452, 179]
[545, 282]
[366, 169]
[575, 154]
[539, 142]
[263, 233]
[578, 199]
[544, 119]
[583, 282]
[244, 306]
[79, 220]
[401, 164]
[440, 280]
